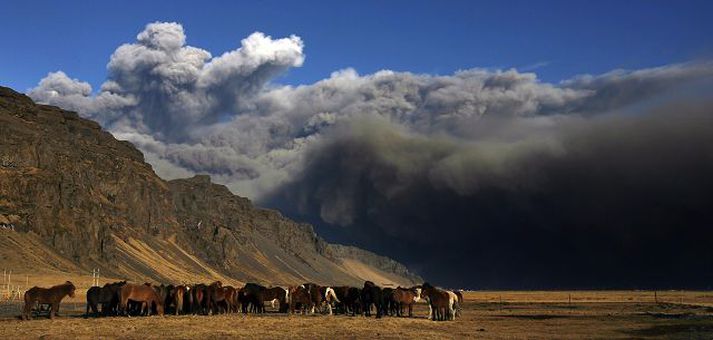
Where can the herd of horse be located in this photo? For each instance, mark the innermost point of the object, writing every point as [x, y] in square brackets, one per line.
[123, 298]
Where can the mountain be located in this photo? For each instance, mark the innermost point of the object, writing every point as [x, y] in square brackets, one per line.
[72, 197]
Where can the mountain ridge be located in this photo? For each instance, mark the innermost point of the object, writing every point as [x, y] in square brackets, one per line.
[93, 200]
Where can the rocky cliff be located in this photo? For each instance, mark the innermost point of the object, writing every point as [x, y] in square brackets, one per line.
[69, 185]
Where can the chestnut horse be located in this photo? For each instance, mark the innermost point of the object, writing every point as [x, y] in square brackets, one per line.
[231, 297]
[216, 296]
[315, 295]
[440, 302]
[143, 294]
[405, 297]
[52, 296]
[300, 299]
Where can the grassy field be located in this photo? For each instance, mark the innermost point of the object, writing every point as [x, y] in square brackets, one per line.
[520, 315]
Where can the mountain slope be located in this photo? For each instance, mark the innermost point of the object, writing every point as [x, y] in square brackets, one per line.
[71, 191]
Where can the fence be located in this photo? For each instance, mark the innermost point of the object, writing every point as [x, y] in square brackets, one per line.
[10, 291]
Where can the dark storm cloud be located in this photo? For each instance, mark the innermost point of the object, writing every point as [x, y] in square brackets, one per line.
[610, 201]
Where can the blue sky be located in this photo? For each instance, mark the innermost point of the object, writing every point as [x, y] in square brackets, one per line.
[556, 39]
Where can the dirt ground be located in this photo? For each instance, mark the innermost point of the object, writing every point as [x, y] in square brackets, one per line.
[496, 315]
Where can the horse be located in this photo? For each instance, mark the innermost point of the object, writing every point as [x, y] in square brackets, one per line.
[279, 294]
[459, 295]
[230, 300]
[52, 296]
[216, 295]
[143, 294]
[372, 294]
[440, 302]
[198, 299]
[252, 297]
[165, 293]
[300, 298]
[315, 295]
[455, 301]
[405, 297]
[329, 296]
[352, 301]
[389, 303]
[178, 294]
[340, 292]
[107, 296]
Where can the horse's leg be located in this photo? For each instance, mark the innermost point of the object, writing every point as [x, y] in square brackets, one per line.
[410, 310]
[27, 311]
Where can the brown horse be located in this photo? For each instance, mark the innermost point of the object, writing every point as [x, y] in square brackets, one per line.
[440, 302]
[300, 299]
[107, 296]
[231, 297]
[143, 294]
[315, 295]
[405, 297]
[52, 296]
[216, 296]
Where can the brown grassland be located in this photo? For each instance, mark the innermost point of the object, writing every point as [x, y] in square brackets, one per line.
[520, 315]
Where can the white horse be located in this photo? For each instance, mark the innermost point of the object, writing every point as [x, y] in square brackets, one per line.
[329, 297]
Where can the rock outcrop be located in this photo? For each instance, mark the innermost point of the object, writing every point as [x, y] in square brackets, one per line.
[94, 201]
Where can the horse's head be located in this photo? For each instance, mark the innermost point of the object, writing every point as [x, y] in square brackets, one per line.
[72, 288]
[417, 291]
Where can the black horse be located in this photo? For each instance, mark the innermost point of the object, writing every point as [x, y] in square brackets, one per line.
[251, 298]
[107, 297]
[372, 294]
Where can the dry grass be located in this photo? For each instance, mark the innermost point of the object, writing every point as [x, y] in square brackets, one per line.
[531, 315]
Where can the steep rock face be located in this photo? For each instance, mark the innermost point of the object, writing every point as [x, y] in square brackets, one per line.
[94, 200]
[71, 182]
[221, 224]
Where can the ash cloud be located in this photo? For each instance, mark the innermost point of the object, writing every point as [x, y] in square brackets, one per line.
[606, 202]
[482, 178]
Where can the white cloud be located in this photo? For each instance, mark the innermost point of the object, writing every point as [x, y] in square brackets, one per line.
[191, 112]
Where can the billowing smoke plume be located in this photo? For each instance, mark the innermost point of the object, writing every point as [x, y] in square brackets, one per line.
[482, 178]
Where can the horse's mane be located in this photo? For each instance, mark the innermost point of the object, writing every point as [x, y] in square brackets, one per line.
[67, 284]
